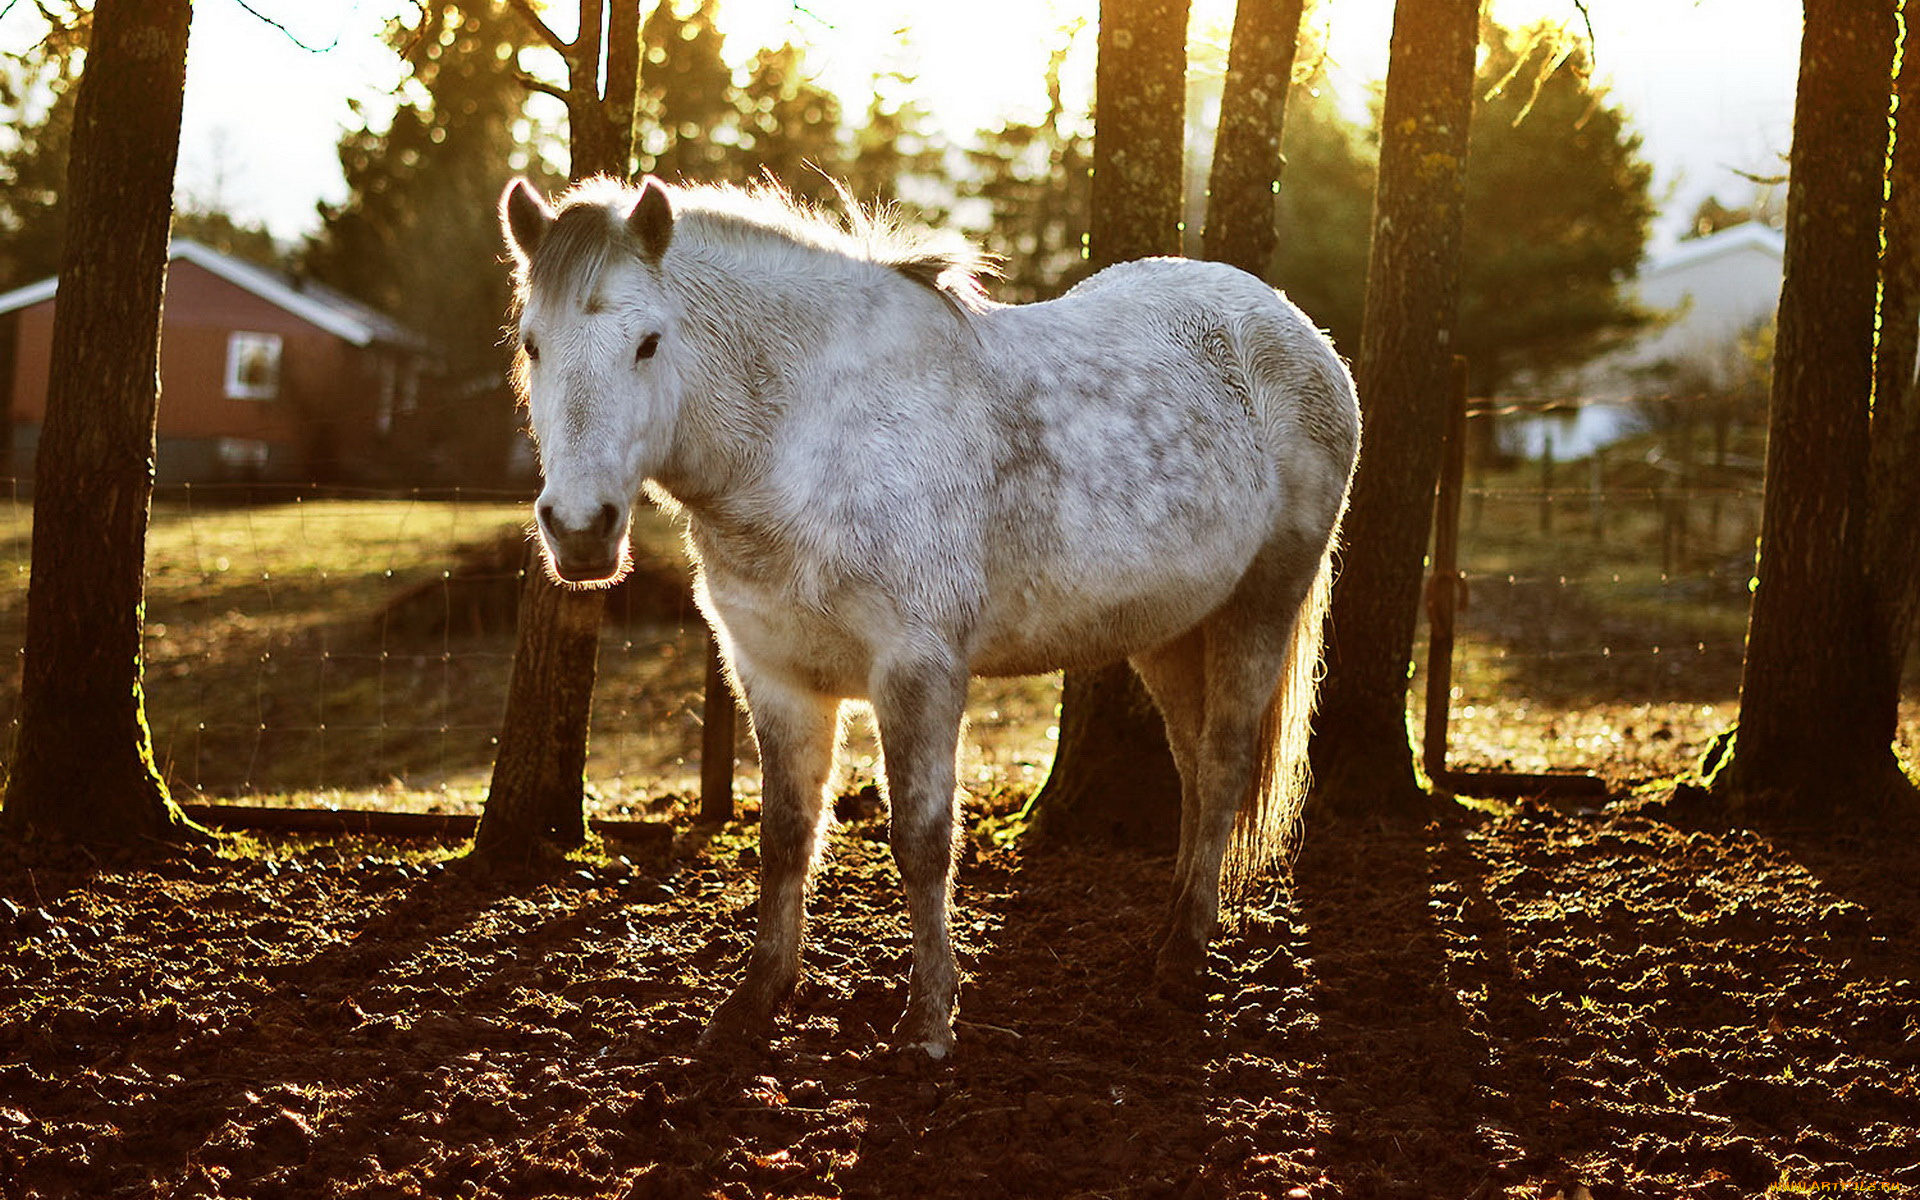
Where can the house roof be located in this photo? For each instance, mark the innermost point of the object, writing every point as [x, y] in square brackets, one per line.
[1748, 235]
[340, 315]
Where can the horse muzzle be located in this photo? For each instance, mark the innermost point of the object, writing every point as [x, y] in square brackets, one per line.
[585, 544]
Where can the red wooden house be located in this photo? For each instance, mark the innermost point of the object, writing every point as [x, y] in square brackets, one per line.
[262, 376]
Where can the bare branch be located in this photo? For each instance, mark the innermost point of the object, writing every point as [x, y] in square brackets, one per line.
[417, 37]
[540, 85]
[1588, 18]
[540, 28]
[264, 19]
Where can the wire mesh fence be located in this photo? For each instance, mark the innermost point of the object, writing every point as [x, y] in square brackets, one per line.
[1604, 601]
[322, 646]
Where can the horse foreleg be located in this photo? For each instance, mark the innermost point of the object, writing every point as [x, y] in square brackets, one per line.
[797, 733]
[919, 708]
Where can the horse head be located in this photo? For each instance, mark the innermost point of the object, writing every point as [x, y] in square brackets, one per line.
[595, 361]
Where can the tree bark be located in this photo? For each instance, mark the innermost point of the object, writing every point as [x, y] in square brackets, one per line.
[1113, 777]
[1893, 532]
[83, 763]
[539, 772]
[1140, 98]
[538, 789]
[1362, 753]
[1815, 731]
[1245, 177]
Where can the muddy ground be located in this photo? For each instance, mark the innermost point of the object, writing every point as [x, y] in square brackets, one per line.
[1517, 1002]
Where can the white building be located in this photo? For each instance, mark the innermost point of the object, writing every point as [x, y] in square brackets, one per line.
[1714, 292]
[1709, 297]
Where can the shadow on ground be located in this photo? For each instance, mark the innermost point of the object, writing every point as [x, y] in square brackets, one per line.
[1506, 1004]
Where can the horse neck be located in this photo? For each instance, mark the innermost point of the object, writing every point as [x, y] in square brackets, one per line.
[752, 328]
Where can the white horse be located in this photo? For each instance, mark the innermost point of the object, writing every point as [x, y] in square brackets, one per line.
[890, 483]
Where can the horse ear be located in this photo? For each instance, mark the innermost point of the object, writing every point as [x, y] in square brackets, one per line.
[651, 221]
[524, 219]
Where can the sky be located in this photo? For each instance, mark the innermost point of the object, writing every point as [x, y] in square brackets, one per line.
[1708, 84]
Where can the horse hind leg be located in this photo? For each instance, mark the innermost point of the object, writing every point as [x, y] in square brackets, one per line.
[1258, 650]
[1175, 676]
[798, 733]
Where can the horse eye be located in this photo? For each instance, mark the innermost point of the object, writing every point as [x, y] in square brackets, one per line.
[648, 345]
[533, 351]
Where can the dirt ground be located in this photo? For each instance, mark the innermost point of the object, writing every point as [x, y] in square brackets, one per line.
[1521, 1001]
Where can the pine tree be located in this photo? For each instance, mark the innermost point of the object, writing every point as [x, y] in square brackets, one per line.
[37, 92]
[1035, 178]
[1558, 211]
[414, 236]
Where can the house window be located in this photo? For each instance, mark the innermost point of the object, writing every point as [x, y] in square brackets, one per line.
[242, 456]
[253, 366]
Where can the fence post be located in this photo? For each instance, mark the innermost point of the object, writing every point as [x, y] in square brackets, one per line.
[1546, 482]
[716, 741]
[1444, 583]
[1669, 514]
[1683, 519]
[1597, 495]
[1720, 421]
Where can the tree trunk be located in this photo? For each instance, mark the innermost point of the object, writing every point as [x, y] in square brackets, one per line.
[1362, 754]
[1113, 777]
[1893, 532]
[83, 762]
[1113, 780]
[1245, 177]
[1814, 736]
[1140, 99]
[539, 773]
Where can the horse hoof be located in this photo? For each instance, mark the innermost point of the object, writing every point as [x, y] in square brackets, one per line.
[935, 1051]
[915, 1058]
[926, 1041]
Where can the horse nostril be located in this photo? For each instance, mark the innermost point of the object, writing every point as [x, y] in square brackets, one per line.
[603, 524]
[546, 518]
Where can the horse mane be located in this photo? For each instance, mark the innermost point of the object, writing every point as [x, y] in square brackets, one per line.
[591, 226]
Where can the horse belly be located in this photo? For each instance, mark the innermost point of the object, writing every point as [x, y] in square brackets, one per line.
[1097, 612]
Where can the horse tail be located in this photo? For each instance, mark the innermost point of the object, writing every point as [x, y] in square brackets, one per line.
[1313, 407]
[1269, 818]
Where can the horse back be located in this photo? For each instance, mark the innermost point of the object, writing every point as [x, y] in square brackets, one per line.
[1152, 432]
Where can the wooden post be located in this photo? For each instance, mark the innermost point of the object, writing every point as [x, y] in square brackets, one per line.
[1546, 482]
[1445, 589]
[1668, 535]
[1444, 582]
[1597, 495]
[1683, 522]
[1719, 478]
[716, 741]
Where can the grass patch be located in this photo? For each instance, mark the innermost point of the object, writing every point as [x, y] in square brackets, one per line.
[278, 668]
